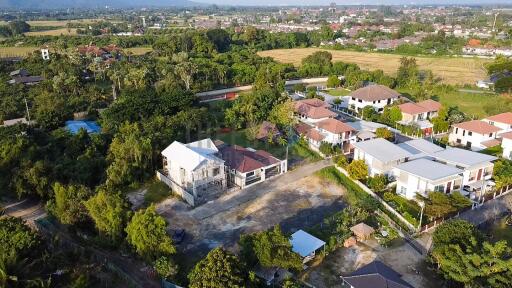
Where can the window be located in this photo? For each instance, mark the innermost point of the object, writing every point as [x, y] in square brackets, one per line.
[216, 171]
[249, 174]
[491, 122]
[463, 132]
[468, 144]
[459, 141]
[353, 98]
[456, 130]
[439, 188]
[490, 134]
[360, 101]
[470, 133]
[403, 190]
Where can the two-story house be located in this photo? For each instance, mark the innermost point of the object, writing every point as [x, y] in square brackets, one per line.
[422, 175]
[380, 155]
[474, 134]
[506, 144]
[338, 133]
[377, 96]
[502, 121]
[478, 167]
[312, 110]
[192, 170]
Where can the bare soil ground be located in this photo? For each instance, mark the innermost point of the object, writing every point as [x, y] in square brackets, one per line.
[294, 206]
[401, 257]
[452, 70]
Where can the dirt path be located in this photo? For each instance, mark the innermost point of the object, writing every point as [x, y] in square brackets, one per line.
[295, 203]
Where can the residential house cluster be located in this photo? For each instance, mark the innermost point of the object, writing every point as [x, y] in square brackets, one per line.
[419, 166]
[376, 96]
[481, 134]
[201, 170]
[318, 124]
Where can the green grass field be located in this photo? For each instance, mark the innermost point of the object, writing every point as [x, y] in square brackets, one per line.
[338, 92]
[474, 105]
[157, 192]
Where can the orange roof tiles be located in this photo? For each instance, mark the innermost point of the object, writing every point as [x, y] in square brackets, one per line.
[477, 126]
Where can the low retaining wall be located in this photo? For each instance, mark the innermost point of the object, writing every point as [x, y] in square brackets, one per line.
[376, 197]
[189, 198]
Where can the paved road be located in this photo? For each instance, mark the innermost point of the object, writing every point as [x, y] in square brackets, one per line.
[229, 201]
[26, 209]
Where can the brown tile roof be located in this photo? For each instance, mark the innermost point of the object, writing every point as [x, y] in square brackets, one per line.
[501, 118]
[491, 143]
[314, 135]
[313, 111]
[244, 160]
[430, 104]
[477, 126]
[265, 128]
[374, 92]
[507, 135]
[302, 128]
[334, 126]
[412, 108]
[313, 102]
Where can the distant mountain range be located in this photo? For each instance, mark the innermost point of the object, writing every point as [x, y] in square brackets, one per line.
[59, 4]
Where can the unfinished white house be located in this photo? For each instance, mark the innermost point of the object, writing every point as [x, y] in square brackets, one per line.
[193, 170]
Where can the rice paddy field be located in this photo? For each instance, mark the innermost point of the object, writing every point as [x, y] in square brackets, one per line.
[451, 70]
[16, 51]
[54, 32]
[57, 23]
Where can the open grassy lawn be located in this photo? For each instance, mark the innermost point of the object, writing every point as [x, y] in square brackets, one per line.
[450, 70]
[138, 50]
[474, 105]
[54, 32]
[157, 192]
[16, 51]
[338, 92]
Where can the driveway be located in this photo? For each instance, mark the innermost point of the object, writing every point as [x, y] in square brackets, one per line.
[294, 200]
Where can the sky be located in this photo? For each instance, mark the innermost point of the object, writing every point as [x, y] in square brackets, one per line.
[348, 2]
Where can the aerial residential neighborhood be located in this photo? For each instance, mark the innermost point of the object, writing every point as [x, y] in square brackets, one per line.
[228, 144]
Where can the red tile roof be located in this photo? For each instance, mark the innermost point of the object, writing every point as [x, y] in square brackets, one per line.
[477, 126]
[507, 135]
[334, 126]
[302, 128]
[313, 108]
[266, 128]
[314, 135]
[412, 108]
[375, 92]
[501, 118]
[244, 160]
[430, 104]
[491, 143]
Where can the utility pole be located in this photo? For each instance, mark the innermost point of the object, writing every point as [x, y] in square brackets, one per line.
[28, 113]
[494, 23]
[422, 204]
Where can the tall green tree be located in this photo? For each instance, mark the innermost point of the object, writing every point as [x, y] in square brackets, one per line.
[146, 232]
[218, 269]
[109, 211]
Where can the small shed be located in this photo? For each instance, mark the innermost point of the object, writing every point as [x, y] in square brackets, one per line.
[305, 245]
[362, 231]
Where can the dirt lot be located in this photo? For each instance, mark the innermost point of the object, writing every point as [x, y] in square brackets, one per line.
[450, 70]
[401, 257]
[294, 206]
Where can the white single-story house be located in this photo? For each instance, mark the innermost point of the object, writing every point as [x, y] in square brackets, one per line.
[246, 166]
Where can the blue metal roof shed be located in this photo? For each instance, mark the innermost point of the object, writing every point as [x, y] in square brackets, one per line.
[74, 126]
[305, 244]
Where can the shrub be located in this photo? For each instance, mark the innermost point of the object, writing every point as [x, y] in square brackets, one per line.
[358, 170]
[341, 161]
[377, 183]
